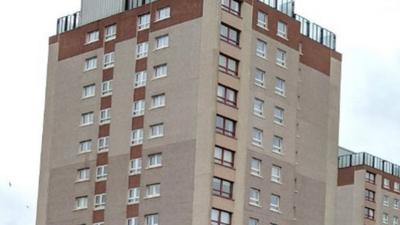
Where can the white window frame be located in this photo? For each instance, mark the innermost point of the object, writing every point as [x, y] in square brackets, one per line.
[137, 137]
[255, 171]
[106, 88]
[105, 116]
[138, 108]
[85, 146]
[152, 219]
[277, 140]
[135, 166]
[87, 119]
[133, 221]
[83, 175]
[90, 63]
[386, 201]
[282, 29]
[262, 23]
[280, 86]
[263, 51]
[110, 33]
[154, 161]
[396, 186]
[142, 50]
[253, 221]
[99, 223]
[101, 172]
[103, 144]
[276, 174]
[257, 137]
[88, 91]
[162, 42]
[279, 115]
[157, 101]
[143, 21]
[108, 60]
[281, 58]
[153, 190]
[133, 195]
[160, 71]
[100, 201]
[163, 13]
[275, 206]
[81, 202]
[254, 197]
[92, 37]
[386, 183]
[140, 79]
[385, 218]
[258, 107]
[395, 220]
[259, 82]
[156, 130]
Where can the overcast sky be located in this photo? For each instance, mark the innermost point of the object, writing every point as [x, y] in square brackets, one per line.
[368, 36]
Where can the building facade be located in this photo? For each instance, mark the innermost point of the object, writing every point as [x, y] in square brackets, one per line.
[368, 190]
[190, 112]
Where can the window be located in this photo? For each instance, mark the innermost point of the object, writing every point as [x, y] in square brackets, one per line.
[280, 87]
[369, 213]
[160, 71]
[135, 166]
[85, 146]
[385, 218]
[162, 42]
[275, 203]
[133, 221]
[261, 48]
[155, 160]
[395, 220]
[370, 177]
[254, 198]
[282, 29]
[223, 156]
[91, 63]
[262, 20]
[83, 175]
[277, 144]
[151, 219]
[228, 65]
[260, 78]
[105, 116]
[152, 190]
[222, 188]
[109, 60]
[255, 167]
[253, 221]
[226, 95]
[99, 201]
[81, 203]
[138, 108]
[369, 195]
[87, 118]
[92, 36]
[278, 115]
[281, 57]
[225, 126]
[258, 107]
[143, 21]
[110, 33]
[229, 34]
[257, 137]
[89, 91]
[141, 50]
[232, 6]
[158, 101]
[103, 143]
[396, 186]
[219, 217]
[140, 79]
[133, 195]
[106, 88]
[99, 223]
[156, 130]
[101, 172]
[276, 174]
[386, 183]
[163, 13]
[396, 203]
[386, 201]
[137, 137]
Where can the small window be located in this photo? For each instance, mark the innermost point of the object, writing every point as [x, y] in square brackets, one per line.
[231, 6]
[254, 198]
[396, 186]
[386, 201]
[163, 13]
[277, 144]
[370, 177]
[228, 65]
[222, 188]
[276, 174]
[369, 195]
[162, 42]
[258, 107]
[229, 34]
[87, 118]
[106, 88]
[99, 201]
[103, 144]
[279, 115]
[142, 50]
[91, 63]
[155, 160]
[223, 156]
[101, 173]
[225, 126]
[257, 137]
[253, 221]
[88, 91]
[282, 29]
[143, 21]
[133, 221]
[92, 37]
[385, 218]
[152, 190]
[395, 220]
[109, 60]
[81, 203]
[137, 137]
[83, 175]
[261, 49]
[85, 146]
[275, 203]
[255, 167]
[369, 213]
[227, 95]
[220, 217]
[140, 79]
[151, 219]
[260, 78]
[396, 203]
[138, 108]
[280, 88]
[156, 130]
[386, 183]
[262, 20]
[135, 166]
[158, 101]
[281, 58]
[160, 71]
[133, 195]
[105, 116]
[110, 33]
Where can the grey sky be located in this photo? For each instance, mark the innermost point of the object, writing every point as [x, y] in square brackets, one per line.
[368, 36]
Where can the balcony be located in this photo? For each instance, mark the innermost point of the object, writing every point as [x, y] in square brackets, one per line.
[68, 22]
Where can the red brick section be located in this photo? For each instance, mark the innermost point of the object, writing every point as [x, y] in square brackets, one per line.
[132, 211]
[105, 102]
[108, 74]
[100, 187]
[137, 122]
[136, 151]
[98, 216]
[104, 130]
[102, 159]
[141, 65]
[346, 176]
[134, 181]
[139, 93]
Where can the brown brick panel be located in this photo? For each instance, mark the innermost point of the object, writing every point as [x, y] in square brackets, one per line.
[100, 187]
[106, 102]
[102, 159]
[336, 55]
[141, 65]
[132, 211]
[53, 39]
[109, 46]
[316, 55]
[139, 93]
[136, 151]
[137, 122]
[98, 216]
[143, 36]
[108, 74]
[104, 130]
[134, 181]
[346, 176]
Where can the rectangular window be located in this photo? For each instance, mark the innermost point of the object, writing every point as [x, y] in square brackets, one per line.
[396, 203]
[279, 115]
[133, 221]
[110, 33]
[386, 201]
[138, 108]
[369, 195]
[106, 88]
[143, 21]
[103, 144]
[220, 217]
[261, 48]
[257, 137]
[396, 186]
[231, 6]
[83, 175]
[91, 63]
[133, 195]
[135, 166]
[92, 36]
[369, 213]
[101, 173]
[223, 156]
[275, 203]
[99, 201]
[370, 177]
[151, 219]
[277, 144]
[158, 101]
[260, 78]
[258, 107]
[282, 29]
[385, 218]
[152, 190]
[255, 167]
[137, 137]
[227, 95]
[253, 221]
[262, 20]
[156, 130]
[281, 57]
[228, 65]
[254, 197]
[105, 116]
[280, 88]
[162, 42]
[88, 91]
[85, 146]
[229, 34]
[87, 118]
[109, 60]
[395, 220]
[386, 183]
[140, 79]
[155, 160]
[142, 50]
[81, 203]
[225, 126]
[163, 13]
[276, 174]
[160, 71]
[222, 188]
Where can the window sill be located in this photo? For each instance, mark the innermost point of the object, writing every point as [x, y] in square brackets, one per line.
[152, 197]
[155, 137]
[99, 208]
[255, 205]
[282, 66]
[85, 152]
[231, 44]
[283, 37]
[107, 39]
[158, 20]
[88, 70]
[260, 146]
[228, 167]
[275, 210]
[280, 94]
[153, 167]
[277, 152]
[141, 57]
[262, 57]
[157, 78]
[91, 42]
[85, 125]
[108, 67]
[101, 179]
[263, 27]
[160, 48]
[256, 175]
[279, 124]
[143, 28]
[88, 97]
[107, 94]
[105, 122]
[260, 86]
[133, 203]
[234, 13]
[138, 115]
[81, 181]
[229, 74]
[134, 174]
[136, 144]
[80, 209]
[259, 116]
[276, 182]
[156, 107]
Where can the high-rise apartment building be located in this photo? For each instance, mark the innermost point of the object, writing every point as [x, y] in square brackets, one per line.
[190, 112]
[368, 190]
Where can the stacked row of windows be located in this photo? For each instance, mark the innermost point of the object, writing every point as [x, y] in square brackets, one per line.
[261, 51]
[386, 183]
[281, 27]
